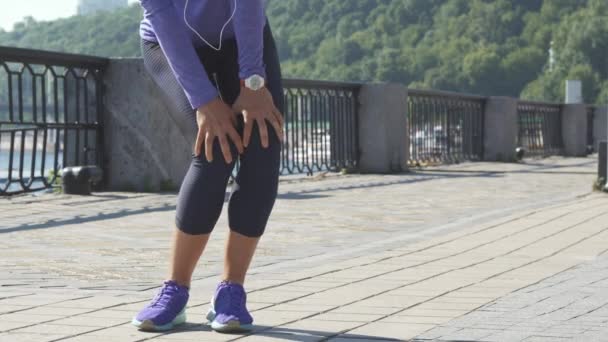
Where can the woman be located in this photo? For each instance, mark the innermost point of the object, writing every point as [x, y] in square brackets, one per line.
[217, 61]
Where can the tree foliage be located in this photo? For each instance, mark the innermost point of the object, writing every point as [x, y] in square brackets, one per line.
[489, 47]
[103, 34]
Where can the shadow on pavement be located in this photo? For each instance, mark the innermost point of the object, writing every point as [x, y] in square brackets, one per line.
[415, 176]
[84, 219]
[287, 334]
[538, 168]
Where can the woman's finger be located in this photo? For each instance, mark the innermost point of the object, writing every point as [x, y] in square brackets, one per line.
[277, 127]
[233, 119]
[263, 131]
[200, 137]
[279, 115]
[209, 147]
[247, 129]
[225, 148]
[236, 139]
[281, 123]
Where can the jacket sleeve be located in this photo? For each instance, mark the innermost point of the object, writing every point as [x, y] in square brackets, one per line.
[249, 22]
[181, 54]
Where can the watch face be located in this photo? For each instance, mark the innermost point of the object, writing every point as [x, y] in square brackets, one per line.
[255, 82]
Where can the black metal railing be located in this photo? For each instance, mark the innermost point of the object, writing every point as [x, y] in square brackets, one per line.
[51, 111]
[50, 116]
[321, 132]
[540, 128]
[590, 122]
[445, 127]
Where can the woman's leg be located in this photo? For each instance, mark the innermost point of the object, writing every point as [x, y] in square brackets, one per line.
[257, 182]
[239, 252]
[185, 253]
[199, 205]
[202, 192]
[251, 202]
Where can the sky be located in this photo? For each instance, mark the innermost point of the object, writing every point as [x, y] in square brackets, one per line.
[39, 9]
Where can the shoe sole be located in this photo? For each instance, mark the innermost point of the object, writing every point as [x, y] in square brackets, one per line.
[148, 325]
[231, 327]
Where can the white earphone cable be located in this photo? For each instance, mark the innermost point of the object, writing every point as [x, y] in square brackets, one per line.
[221, 32]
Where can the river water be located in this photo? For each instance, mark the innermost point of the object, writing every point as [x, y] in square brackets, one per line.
[27, 164]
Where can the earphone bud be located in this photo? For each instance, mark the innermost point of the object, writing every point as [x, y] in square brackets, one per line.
[201, 37]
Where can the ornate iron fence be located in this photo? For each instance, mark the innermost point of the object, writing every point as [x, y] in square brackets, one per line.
[50, 116]
[445, 127]
[321, 131]
[540, 128]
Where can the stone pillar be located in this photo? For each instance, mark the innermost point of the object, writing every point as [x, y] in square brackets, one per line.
[383, 130]
[600, 126]
[148, 144]
[574, 130]
[501, 129]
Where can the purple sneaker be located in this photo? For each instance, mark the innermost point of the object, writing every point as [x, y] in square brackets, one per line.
[228, 312]
[166, 311]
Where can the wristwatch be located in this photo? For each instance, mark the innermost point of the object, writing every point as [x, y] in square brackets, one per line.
[254, 82]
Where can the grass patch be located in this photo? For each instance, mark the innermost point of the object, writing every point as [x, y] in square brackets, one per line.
[599, 184]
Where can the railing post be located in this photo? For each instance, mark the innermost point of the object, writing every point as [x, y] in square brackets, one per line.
[383, 130]
[574, 129]
[590, 118]
[600, 124]
[501, 129]
[602, 166]
[603, 148]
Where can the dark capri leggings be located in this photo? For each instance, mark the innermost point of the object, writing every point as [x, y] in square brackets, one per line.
[202, 192]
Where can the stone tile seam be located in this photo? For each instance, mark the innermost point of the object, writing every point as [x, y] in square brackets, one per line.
[376, 244]
[569, 246]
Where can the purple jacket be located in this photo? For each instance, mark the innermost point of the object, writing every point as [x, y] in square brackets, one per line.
[164, 23]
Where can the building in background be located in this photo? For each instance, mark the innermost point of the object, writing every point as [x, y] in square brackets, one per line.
[91, 6]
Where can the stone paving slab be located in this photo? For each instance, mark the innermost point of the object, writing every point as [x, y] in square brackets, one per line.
[311, 218]
[346, 258]
[569, 305]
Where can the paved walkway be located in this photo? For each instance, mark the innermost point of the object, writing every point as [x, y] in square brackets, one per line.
[476, 252]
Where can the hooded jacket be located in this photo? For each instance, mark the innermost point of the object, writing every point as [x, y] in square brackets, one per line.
[164, 23]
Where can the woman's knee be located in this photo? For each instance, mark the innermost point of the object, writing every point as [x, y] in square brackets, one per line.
[194, 228]
[197, 215]
[249, 210]
[202, 195]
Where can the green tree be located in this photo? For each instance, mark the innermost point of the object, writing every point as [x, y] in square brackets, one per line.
[490, 47]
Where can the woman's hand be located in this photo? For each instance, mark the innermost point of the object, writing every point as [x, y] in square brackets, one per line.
[257, 106]
[216, 120]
